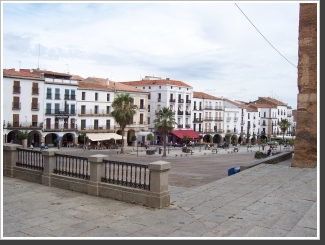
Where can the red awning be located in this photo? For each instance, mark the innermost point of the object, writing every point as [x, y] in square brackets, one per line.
[190, 133]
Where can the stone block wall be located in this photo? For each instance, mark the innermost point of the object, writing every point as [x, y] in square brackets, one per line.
[306, 131]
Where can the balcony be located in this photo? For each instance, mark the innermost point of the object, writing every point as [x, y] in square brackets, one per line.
[48, 96]
[58, 112]
[57, 127]
[289, 115]
[208, 107]
[35, 106]
[16, 89]
[207, 131]
[197, 120]
[235, 119]
[23, 125]
[57, 96]
[242, 122]
[35, 90]
[218, 118]
[180, 101]
[218, 107]
[208, 119]
[187, 126]
[188, 101]
[187, 113]
[69, 97]
[142, 107]
[228, 119]
[99, 128]
[197, 108]
[159, 100]
[179, 112]
[180, 126]
[157, 112]
[16, 105]
[219, 131]
[172, 100]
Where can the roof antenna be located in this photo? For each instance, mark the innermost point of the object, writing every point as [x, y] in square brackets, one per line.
[68, 68]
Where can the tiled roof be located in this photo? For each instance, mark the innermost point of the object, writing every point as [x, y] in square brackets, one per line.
[263, 105]
[143, 83]
[274, 101]
[21, 73]
[77, 77]
[52, 73]
[234, 103]
[91, 85]
[251, 108]
[101, 83]
[201, 95]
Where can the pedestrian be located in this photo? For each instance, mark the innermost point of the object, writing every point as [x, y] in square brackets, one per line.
[42, 146]
[31, 147]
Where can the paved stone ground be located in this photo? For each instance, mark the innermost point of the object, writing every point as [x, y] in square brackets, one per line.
[263, 202]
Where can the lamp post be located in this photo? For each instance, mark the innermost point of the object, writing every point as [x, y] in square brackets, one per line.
[259, 141]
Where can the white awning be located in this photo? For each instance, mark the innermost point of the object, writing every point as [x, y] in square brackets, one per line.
[104, 136]
[143, 133]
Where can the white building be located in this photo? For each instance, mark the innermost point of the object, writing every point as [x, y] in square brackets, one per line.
[173, 94]
[23, 105]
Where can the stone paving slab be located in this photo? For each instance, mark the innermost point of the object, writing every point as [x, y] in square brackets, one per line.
[262, 202]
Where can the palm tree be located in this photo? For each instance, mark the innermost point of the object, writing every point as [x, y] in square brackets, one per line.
[164, 123]
[284, 124]
[123, 112]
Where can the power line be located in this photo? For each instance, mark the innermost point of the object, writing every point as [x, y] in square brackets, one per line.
[265, 37]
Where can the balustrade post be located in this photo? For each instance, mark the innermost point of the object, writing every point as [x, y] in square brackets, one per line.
[49, 165]
[97, 169]
[159, 171]
[10, 157]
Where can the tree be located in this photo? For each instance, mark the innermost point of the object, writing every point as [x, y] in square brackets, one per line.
[186, 139]
[284, 124]
[164, 123]
[23, 135]
[149, 137]
[124, 110]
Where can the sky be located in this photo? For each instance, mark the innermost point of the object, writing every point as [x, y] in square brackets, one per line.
[236, 50]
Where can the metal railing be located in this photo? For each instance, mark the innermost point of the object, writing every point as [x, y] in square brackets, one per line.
[72, 166]
[35, 90]
[127, 174]
[57, 111]
[218, 118]
[16, 89]
[35, 106]
[31, 159]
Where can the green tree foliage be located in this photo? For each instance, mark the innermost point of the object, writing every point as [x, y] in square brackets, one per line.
[164, 124]
[124, 110]
[23, 135]
[284, 124]
[150, 138]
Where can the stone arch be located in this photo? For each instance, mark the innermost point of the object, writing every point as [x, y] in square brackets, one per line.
[234, 139]
[67, 138]
[217, 138]
[35, 138]
[130, 133]
[206, 138]
[49, 138]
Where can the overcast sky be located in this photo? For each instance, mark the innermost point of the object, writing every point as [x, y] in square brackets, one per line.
[211, 46]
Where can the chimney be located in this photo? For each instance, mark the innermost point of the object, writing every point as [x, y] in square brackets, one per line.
[107, 82]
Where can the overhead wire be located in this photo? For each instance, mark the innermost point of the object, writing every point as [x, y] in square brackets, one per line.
[265, 37]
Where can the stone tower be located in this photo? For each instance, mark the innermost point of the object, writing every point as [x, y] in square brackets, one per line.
[305, 155]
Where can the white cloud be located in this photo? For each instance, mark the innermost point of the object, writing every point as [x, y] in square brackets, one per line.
[209, 45]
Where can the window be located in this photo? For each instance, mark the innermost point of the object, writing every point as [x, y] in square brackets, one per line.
[73, 109]
[66, 94]
[108, 109]
[83, 109]
[16, 88]
[96, 124]
[48, 108]
[96, 109]
[35, 104]
[108, 124]
[159, 86]
[57, 108]
[73, 95]
[264, 114]
[108, 97]
[248, 115]
[171, 87]
[144, 87]
[179, 88]
[148, 120]
[149, 96]
[159, 97]
[141, 104]
[35, 88]
[83, 124]
[48, 93]
[96, 96]
[148, 108]
[57, 94]
[16, 103]
[83, 95]
[149, 87]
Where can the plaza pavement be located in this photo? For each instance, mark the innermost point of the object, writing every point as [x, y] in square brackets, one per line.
[263, 202]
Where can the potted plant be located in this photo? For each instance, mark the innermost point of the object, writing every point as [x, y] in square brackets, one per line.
[260, 154]
[133, 139]
[23, 136]
[55, 142]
